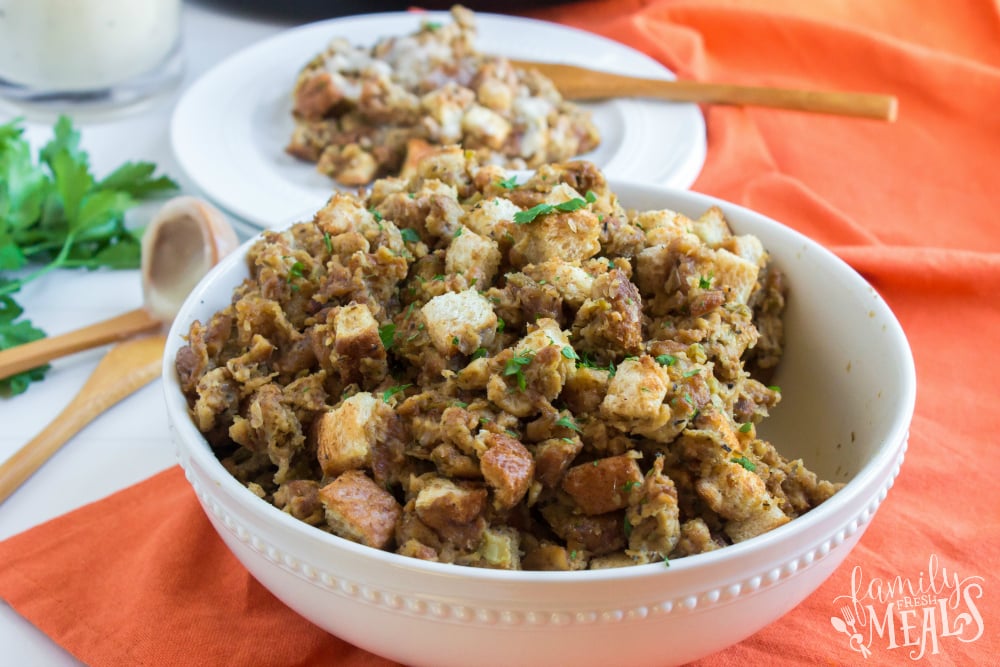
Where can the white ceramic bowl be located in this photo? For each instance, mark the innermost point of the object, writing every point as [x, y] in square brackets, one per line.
[848, 387]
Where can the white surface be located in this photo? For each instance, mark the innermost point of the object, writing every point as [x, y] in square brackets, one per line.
[239, 113]
[852, 429]
[130, 442]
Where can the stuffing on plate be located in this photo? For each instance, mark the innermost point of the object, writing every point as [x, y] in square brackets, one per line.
[360, 111]
[464, 368]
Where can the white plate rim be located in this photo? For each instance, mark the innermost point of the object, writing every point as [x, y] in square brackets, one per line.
[218, 152]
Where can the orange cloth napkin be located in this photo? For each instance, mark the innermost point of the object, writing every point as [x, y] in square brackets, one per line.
[140, 578]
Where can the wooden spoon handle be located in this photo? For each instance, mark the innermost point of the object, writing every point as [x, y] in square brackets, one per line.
[126, 368]
[36, 353]
[579, 83]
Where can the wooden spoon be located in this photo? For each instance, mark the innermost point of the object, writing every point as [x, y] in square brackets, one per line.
[184, 240]
[580, 83]
[124, 369]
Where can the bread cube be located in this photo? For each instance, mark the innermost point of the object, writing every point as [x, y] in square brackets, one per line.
[460, 322]
[635, 399]
[360, 510]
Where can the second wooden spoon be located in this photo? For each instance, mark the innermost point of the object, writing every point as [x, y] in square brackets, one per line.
[580, 83]
[124, 369]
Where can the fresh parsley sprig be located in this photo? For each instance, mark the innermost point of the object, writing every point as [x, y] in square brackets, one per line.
[529, 215]
[54, 213]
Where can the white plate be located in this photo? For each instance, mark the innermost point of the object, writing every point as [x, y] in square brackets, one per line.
[230, 129]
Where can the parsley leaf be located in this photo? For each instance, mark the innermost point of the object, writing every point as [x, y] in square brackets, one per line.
[745, 462]
[508, 183]
[515, 365]
[14, 332]
[569, 353]
[409, 235]
[392, 391]
[665, 359]
[745, 428]
[567, 422]
[387, 333]
[528, 215]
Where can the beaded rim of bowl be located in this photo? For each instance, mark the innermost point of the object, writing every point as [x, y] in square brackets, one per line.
[429, 606]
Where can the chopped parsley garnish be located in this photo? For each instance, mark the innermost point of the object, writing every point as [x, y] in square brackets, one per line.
[629, 485]
[745, 428]
[745, 462]
[432, 26]
[515, 366]
[568, 440]
[458, 232]
[479, 353]
[569, 353]
[665, 359]
[705, 282]
[375, 214]
[666, 561]
[460, 404]
[501, 325]
[387, 333]
[328, 242]
[295, 271]
[409, 235]
[454, 340]
[691, 373]
[628, 528]
[566, 422]
[508, 183]
[775, 387]
[526, 216]
[392, 391]
[512, 434]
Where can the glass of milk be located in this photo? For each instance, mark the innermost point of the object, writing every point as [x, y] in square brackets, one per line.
[84, 52]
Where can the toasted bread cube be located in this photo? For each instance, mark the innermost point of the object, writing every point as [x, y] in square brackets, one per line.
[360, 510]
[662, 226]
[486, 126]
[734, 275]
[552, 459]
[604, 485]
[635, 398]
[474, 256]
[747, 247]
[572, 236]
[446, 107]
[460, 321]
[712, 227]
[441, 503]
[507, 467]
[492, 217]
[653, 265]
[572, 282]
[345, 436]
[315, 94]
[767, 519]
[359, 354]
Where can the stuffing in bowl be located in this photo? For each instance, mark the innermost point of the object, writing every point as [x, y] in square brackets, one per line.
[553, 374]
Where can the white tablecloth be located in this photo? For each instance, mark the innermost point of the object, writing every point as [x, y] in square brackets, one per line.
[129, 442]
